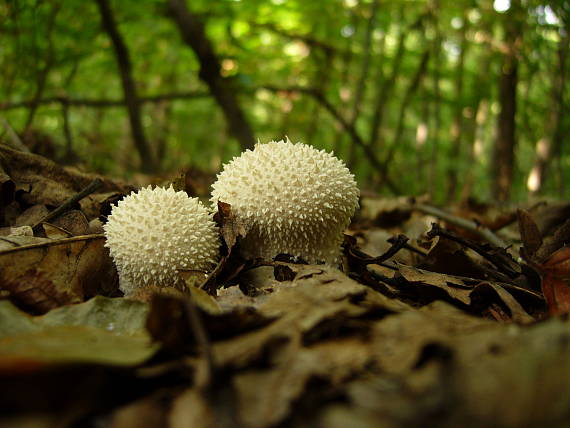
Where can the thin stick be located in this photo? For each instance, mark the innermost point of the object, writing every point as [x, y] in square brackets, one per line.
[501, 259]
[482, 231]
[92, 187]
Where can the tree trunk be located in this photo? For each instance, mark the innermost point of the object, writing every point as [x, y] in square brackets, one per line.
[457, 125]
[321, 79]
[504, 150]
[345, 78]
[435, 131]
[386, 86]
[361, 84]
[194, 35]
[411, 90]
[548, 147]
[479, 93]
[129, 88]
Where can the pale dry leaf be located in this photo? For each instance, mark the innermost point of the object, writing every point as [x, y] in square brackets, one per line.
[52, 273]
[54, 232]
[455, 287]
[74, 222]
[32, 215]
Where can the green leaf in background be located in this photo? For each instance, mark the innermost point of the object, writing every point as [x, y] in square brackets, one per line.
[100, 331]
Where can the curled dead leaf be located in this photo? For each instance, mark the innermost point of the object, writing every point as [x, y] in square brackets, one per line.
[46, 275]
[556, 281]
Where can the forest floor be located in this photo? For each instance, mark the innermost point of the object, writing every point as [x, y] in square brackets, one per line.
[436, 318]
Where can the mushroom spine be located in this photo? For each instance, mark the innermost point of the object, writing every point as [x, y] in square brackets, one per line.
[153, 233]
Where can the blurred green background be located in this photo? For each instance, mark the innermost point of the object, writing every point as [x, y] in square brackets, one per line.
[453, 99]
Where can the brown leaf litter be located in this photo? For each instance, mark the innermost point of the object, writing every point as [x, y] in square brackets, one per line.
[426, 325]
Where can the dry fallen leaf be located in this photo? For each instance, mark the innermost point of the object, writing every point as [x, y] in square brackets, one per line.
[46, 182]
[445, 337]
[45, 275]
[556, 281]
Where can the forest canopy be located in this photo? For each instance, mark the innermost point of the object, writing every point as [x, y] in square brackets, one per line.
[452, 99]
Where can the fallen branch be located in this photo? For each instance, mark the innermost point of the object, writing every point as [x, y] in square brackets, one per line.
[470, 225]
[498, 256]
[193, 34]
[68, 204]
[316, 94]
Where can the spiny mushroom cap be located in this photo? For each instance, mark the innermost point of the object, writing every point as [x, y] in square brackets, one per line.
[294, 198]
[152, 233]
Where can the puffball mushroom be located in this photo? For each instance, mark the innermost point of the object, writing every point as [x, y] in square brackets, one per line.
[293, 199]
[154, 232]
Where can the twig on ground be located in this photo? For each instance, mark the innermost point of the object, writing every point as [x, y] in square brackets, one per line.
[409, 247]
[482, 231]
[498, 256]
[92, 187]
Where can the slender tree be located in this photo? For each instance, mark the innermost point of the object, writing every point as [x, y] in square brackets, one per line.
[361, 83]
[386, 86]
[436, 80]
[194, 35]
[346, 68]
[457, 129]
[504, 149]
[322, 77]
[400, 127]
[549, 146]
[479, 94]
[129, 87]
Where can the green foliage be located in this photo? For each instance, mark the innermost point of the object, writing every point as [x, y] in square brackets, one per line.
[291, 43]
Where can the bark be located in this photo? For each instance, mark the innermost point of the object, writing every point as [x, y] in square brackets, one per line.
[504, 150]
[194, 35]
[132, 101]
[548, 148]
[504, 153]
[457, 130]
[361, 84]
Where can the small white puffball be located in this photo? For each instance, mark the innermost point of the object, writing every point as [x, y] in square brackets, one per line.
[154, 232]
[294, 198]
